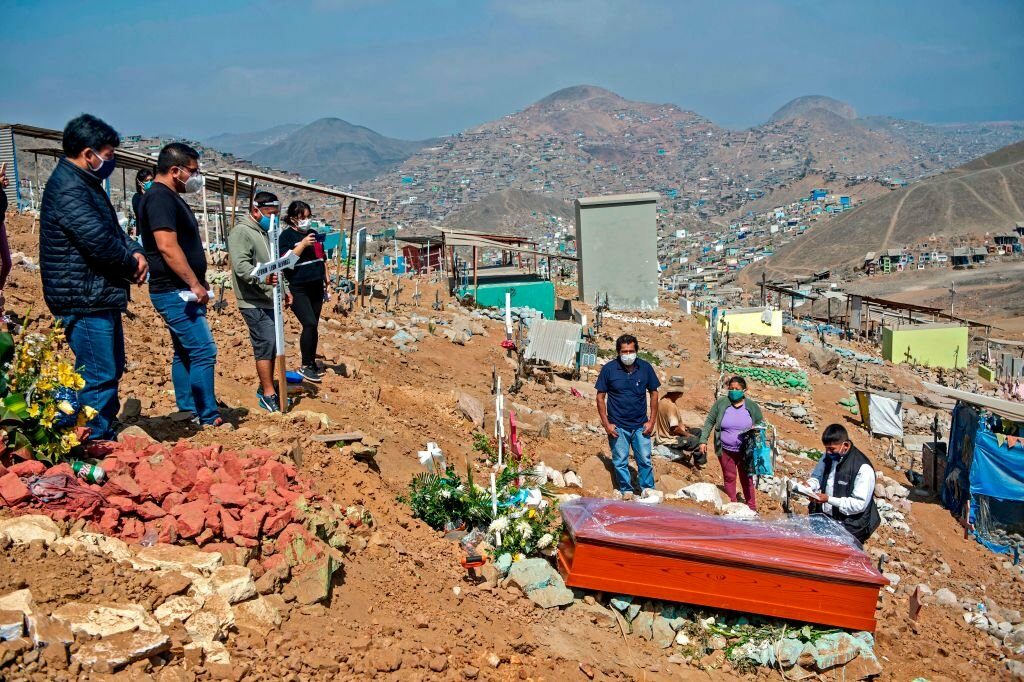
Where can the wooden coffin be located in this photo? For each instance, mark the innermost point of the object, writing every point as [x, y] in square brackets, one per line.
[800, 567]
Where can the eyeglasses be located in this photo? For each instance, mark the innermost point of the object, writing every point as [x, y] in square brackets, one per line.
[191, 171]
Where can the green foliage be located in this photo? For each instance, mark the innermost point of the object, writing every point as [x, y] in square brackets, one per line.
[485, 446]
[449, 500]
[437, 500]
[648, 356]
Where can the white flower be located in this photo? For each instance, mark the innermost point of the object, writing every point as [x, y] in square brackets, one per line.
[445, 493]
[545, 540]
[497, 525]
[524, 530]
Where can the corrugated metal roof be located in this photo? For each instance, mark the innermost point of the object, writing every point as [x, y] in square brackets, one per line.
[1004, 408]
[216, 181]
[553, 341]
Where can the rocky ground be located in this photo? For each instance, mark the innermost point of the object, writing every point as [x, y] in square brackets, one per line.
[401, 606]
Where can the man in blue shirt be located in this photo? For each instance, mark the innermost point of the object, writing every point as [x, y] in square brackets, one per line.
[625, 388]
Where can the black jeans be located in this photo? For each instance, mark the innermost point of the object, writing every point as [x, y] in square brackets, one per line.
[307, 302]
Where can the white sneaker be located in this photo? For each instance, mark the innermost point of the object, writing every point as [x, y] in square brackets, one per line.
[651, 496]
[619, 495]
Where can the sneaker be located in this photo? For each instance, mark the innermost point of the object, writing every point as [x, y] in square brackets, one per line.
[310, 373]
[270, 403]
[620, 495]
[650, 496]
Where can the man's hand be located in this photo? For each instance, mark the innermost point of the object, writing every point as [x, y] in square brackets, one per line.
[288, 299]
[202, 295]
[820, 497]
[141, 268]
[649, 428]
[271, 279]
[704, 448]
[611, 430]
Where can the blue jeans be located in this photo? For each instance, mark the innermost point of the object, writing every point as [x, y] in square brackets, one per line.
[97, 340]
[641, 446]
[195, 354]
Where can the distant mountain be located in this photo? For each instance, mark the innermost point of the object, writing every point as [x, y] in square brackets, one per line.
[801, 107]
[336, 151]
[244, 144]
[985, 195]
[585, 140]
[513, 211]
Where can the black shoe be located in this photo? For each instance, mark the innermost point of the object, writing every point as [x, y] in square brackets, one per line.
[310, 373]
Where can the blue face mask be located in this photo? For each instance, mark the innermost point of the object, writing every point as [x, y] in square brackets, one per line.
[105, 168]
[146, 185]
[835, 455]
[265, 223]
[735, 395]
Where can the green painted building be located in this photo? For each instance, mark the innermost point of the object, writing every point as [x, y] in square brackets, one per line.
[934, 345]
[526, 290]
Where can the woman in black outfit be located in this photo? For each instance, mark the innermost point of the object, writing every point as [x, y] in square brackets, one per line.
[307, 281]
[143, 181]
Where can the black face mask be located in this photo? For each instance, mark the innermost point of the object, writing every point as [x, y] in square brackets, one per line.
[106, 167]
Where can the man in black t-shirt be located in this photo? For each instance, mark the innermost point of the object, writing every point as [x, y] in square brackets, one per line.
[177, 281]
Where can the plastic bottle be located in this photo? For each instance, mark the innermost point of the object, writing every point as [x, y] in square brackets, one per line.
[90, 472]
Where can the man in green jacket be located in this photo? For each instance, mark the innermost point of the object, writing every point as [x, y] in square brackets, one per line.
[248, 246]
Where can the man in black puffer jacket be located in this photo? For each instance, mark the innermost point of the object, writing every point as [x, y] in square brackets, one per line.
[87, 264]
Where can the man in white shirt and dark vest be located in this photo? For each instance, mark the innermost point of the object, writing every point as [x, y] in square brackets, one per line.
[844, 481]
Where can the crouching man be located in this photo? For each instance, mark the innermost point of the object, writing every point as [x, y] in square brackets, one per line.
[844, 481]
[673, 438]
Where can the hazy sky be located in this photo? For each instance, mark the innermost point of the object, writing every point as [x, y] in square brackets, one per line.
[421, 68]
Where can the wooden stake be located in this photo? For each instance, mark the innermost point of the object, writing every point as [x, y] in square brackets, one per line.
[234, 201]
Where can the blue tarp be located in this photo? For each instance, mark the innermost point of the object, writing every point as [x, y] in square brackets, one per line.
[997, 470]
[984, 468]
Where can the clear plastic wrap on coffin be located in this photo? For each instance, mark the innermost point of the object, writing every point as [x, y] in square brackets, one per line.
[814, 545]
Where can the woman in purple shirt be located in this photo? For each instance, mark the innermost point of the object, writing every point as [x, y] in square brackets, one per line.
[730, 417]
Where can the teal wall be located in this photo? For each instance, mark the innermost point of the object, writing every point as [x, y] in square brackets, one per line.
[539, 295]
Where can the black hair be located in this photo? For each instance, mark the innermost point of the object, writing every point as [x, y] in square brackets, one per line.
[624, 339]
[834, 434]
[87, 132]
[737, 379]
[296, 209]
[263, 197]
[144, 175]
[175, 154]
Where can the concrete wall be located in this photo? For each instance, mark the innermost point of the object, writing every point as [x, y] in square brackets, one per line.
[935, 345]
[617, 243]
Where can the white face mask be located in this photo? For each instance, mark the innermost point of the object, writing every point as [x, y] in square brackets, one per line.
[194, 183]
[303, 224]
[628, 359]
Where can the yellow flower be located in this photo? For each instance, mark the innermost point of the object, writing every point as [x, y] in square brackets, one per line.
[33, 410]
[69, 440]
[67, 377]
[85, 414]
[532, 513]
[65, 407]
[518, 557]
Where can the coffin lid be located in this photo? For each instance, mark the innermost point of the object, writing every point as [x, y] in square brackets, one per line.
[810, 545]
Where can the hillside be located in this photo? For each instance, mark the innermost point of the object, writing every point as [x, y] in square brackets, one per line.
[244, 144]
[585, 140]
[513, 211]
[336, 151]
[801, 107]
[982, 196]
